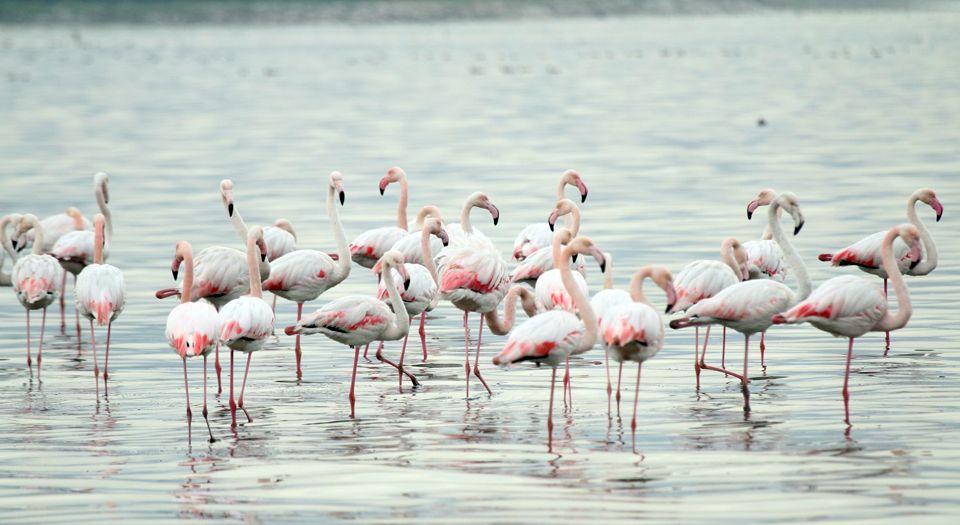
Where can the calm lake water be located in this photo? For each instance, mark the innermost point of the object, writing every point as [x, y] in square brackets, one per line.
[658, 114]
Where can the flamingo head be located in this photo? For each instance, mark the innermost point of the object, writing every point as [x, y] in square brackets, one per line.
[572, 178]
[563, 207]
[929, 197]
[684, 322]
[336, 184]
[910, 236]
[433, 226]
[480, 200]
[100, 182]
[26, 223]
[255, 236]
[788, 202]
[183, 251]
[740, 255]
[226, 194]
[584, 245]
[764, 198]
[662, 277]
[285, 225]
[393, 260]
[394, 174]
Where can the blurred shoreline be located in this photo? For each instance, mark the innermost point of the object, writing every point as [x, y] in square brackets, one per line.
[286, 12]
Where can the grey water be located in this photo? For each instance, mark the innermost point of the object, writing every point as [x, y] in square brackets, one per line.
[660, 116]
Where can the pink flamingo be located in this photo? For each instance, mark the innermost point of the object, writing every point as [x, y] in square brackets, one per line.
[410, 246]
[534, 265]
[528, 301]
[765, 259]
[192, 327]
[357, 320]
[634, 332]
[749, 306]
[703, 279]
[473, 275]
[370, 245]
[865, 253]
[421, 294]
[603, 301]
[850, 306]
[100, 294]
[245, 322]
[553, 336]
[10, 219]
[536, 236]
[303, 275]
[35, 280]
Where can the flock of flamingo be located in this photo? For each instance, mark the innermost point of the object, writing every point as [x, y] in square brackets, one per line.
[221, 292]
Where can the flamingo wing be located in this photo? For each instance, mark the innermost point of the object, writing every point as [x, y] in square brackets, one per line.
[100, 293]
[410, 247]
[36, 279]
[220, 273]
[418, 295]
[552, 294]
[865, 254]
[532, 238]
[350, 320]
[745, 301]
[700, 280]
[635, 324]
[301, 275]
[765, 260]
[550, 336]
[192, 328]
[847, 304]
[370, 245]
[606, 300]
[279, 242]
[244, 322]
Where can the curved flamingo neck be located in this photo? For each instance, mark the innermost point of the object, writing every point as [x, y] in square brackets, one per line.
[728, 258]
[793, 260]
[104, 209]
[636, 285]
[583, 304]
[465, 216]
[557, 245]
[904, 306]
[767, 232]
[185, 254]
[37, 236]
[528, 301]
[343, 249]
[253, 265]
[428, 211]
[402, 325]
[239, 225]
[574, 220]
[98, 242]
[402, 205]
[930, 258]
[428, 263]
[7, 246]
[608, 272]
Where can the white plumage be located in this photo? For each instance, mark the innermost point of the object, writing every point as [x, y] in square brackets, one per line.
[100, 293]
[552, 294]
[193, 328]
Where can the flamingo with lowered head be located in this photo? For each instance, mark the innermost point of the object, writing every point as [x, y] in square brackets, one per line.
[370, 245]
[10, 219]
[192, 327]
[536, 236]
[850, 306]
[410, 247]
[532, 267]
[35, 279]
[357, 320]
[473, 275]
[303, 275]
[748, 307]
[247, 321]
[553, 336]
[100, 294]
[603, 301]
[865, 253]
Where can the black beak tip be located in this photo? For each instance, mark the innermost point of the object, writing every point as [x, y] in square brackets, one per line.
[230, 209]
[174, 272]
[263, 257]
[14, 244]
[583, 197]
[913, 264]
[381, 192]
[446, 242]
[406, 284]
[749, 215]
[667, 310]
[797, 229]
[551, 225]
[575, 257]
[603, 266]
[343, 197]
[938, 216]
[496, 220]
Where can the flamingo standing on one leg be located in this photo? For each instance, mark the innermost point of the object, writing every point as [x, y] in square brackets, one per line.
[192, 327]
[247, 321]
[540, 262]
[473, 275]
[634, 332]
[370, 245]
[703, 279]
[850, 306]
[553, 336]
[866, 252]
[303, 275]
[603, 301]
[35, 280]
[100, 294]
[14, 218]
[749, 306]
[357, 320]
[537, 236]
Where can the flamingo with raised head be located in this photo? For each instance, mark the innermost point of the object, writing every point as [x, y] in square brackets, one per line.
[473, 275]
[553, 336]
[765, 259]
[537, 236]
[357, 320]
[303, 275]
[100, 294]
[370, 245]
[539, 262]
[247, 321]
[749, 306]
[850, 306]
[192, 327]
[410, 246]
[7, 249]
[634, 331]
[703, 279]
[35, 278]
[865, 253]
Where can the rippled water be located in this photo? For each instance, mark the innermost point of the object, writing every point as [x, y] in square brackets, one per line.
[658, 114]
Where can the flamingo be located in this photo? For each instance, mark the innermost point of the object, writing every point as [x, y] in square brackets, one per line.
[634, 332]
[473, 275]
[528, 301]
[421, 295]
[410, 247]
[553, 336]
[192, 327]
[13, 219]
[303, 275]
[536, 236]
[766, 260]
[851, 306]
[703, 279]
[749, 306]
[603, 301]
[74, 249]
[357, 320]
[370, 245]
[541, 261]
[550, 289]
[54, 227]
[35, 280]
[865, 253]
[246, 321]
[100, 294]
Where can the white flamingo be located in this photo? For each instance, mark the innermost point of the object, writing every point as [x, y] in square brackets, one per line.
[410, 247]
[10, 219]
[539, 262]
[370, 245]
[357, 320]
[850, 306]
[537, 236]
[603, 301]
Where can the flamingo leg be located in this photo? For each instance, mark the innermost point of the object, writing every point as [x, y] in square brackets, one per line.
[217, 367]
[43, 324]
[696, 354]
[566, 384]
[379, 356]
[29, 360]
[63, 306]
[233, 404]
[703, 353]
[186, 391]
[606, 364]
[636, 396]
[274, 307]
[888, 333]
[763, 348]
[353, 380]
[106, 360]
[403, 352]
[705, 366]
[297, 348]
[205, 418]
[476, 360]
[423, 333]
[553, 381]
[365, 350]
[744, 379]
[93, 345]
[846, 380]
[466, 335]
[243, 386]
[619, 377]
[75, 311]
[723, 356]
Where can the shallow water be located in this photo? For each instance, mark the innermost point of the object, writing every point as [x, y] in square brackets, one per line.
[658, 114]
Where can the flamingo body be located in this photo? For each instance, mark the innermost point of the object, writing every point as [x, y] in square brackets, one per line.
[245, 323]
[531, 239]
[473, 276]
[537, 263]
[279, 242]
[370, 245]
[548, 338]
[56, 226]
[846, 306]
[302, 275]
[193, 328]
[35, 280]
[100, 293]
[74, 250]
[608, 299]
[351, 320]
[632, 332]
[765, 260]
[865, 254]
[410, 247]
[552, 294]
[419, 293]
[700, 280]
[746, 307]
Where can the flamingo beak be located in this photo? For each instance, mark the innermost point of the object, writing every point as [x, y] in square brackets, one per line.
[779, 319]
[106, 194]
[13, 242]
[598, 255]
[937, 207]
[174, 272]
[494, 212]
[683, 322]
[444, 238]
[384, 182]
[752, 207]
[175, 268]
[552, 219]
[291, 330]
[340, 192]
[671, 297]
[796, 229]
[583, 190]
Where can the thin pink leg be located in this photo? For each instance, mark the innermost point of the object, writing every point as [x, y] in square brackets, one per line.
[353, 380]
[423, 333]
[233, 404]
[29, 360]
[696, 354]
[217, 367]
[186, 390]
[403, 352]
[476, 360]
[93, 345]
[763, 348]
[723, 356]
[636, 396]
[553, 382]
[846, 379]
[566, 384]
[885, 352]
[243, 386]
[619, 377]
[106, 360]
[43, 325]
[75, 311]
[466, 335]
[606, 364]
[63, 306]
[745, 379]
[379, 356]
[365, 350]
[705, 366]
[703, 352]
[205, 418]
[297, 349]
